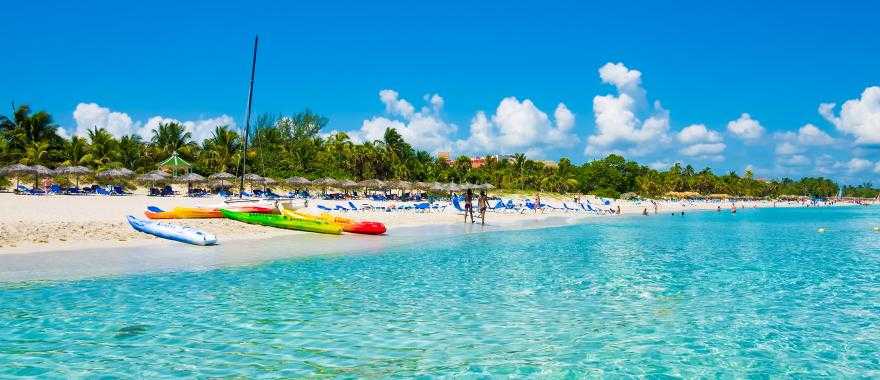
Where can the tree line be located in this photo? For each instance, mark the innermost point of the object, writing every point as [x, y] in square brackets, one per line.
[284, 146]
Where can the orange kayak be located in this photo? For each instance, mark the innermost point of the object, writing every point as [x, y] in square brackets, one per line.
[348, 225]
[154, 212]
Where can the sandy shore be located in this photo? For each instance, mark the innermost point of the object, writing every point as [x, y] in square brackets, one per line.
[57, 223]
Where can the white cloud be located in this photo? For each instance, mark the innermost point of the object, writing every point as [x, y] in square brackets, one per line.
[423, 129]
[660, 165]
[745, 127]
[700, 141]
[698, 133]
[787, 148]
[858, 117]
[62, 133]
[519, 126]
[618, 127]
[90, 115]
[394, 105]
[708, 150]
[794, 160]
[877, 168]
[858, 165]
[810, 135]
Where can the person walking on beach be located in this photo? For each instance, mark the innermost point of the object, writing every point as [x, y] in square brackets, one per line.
[483, 204]
[645, 211]
[538, 203]
[469, 205]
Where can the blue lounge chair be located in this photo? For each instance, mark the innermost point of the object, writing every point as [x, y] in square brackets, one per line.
[457, 204]
[55, 189]
[102, 191]
[340, 208]
[325, 208]
[352, 206]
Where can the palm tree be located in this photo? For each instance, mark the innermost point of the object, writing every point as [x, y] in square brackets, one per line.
[74, 150]
[35, 153]
[222, 150]
[172, 137]
[102, 148]
[130, 151]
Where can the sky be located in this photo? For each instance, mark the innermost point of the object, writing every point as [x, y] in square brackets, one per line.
[780, 89]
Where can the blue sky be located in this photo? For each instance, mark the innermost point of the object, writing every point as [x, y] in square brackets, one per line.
[128, 66]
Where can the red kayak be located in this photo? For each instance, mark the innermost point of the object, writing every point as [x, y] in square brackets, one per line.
[365, 228]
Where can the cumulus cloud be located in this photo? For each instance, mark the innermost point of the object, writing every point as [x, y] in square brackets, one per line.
[394, 105]
[519, 126]
[858, 117]
[809, 135]
[745, 128]
[796, 160]
[618, 126]
[858, 165]
[62, 133]
[701, 142]
[90, 115]
[424, 129]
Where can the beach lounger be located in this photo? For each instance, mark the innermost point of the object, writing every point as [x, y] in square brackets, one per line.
[101, 191]
[325, 208]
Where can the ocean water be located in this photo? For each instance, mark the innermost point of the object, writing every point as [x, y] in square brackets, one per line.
[761, 293]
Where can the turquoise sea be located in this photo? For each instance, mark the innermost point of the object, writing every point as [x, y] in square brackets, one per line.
[759, 294]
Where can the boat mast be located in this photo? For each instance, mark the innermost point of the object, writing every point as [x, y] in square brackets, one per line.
[247, 122]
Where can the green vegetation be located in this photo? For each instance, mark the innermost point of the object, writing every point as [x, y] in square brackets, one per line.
[286, 146]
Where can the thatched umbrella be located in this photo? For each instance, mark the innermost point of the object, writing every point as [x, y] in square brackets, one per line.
[39, 171]
[467, 185]
[189, 179]
[251, 177]
[347, 184]
[222, 177]
[15, 170]
[152, 178]
[487, 186]
[372, 184]
[325, 182]
[437, 186]
[297, 181]
[76, 171]
[422, 185]
[115, 174]
[452, 187]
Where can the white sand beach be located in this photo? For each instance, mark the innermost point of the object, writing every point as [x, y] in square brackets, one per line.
[59, 222]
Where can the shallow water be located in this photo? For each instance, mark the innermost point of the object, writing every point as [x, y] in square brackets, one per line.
[705, 294]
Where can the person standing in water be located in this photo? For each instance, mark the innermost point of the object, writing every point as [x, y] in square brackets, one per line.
[483, 204]
[469, 205]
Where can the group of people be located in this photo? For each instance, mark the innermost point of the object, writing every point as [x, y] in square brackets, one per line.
[482, 205]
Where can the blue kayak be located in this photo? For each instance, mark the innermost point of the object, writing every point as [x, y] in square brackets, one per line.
[172, 231]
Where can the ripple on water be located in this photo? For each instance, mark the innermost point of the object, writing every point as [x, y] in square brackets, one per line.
[708, 295]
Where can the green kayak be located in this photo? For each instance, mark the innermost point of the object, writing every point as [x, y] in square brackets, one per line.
[281, 221]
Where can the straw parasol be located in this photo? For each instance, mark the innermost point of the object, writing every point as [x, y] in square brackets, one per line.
[76, 171]
[421, 185]
[372, 184]
[297, 181]
[189, 178]
[15, 170]
[437, 186]
[268, 181]
[151, 177]
[221, 177]
[115, 174]
[325, 182]
[39, 171]
[467, 185]
[348, 184]
[487, 186]
[251, 177]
